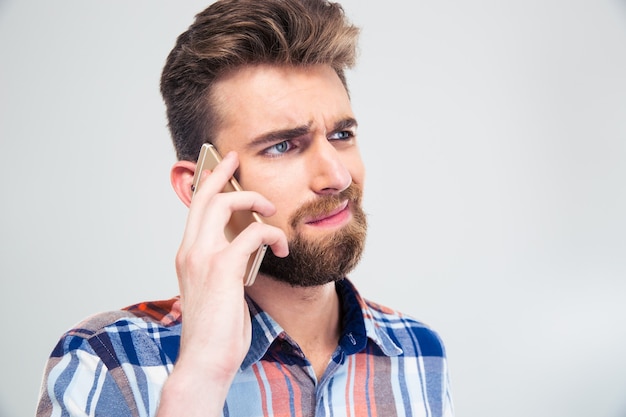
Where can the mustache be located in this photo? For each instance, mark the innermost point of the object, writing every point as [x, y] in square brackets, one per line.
[326, 203]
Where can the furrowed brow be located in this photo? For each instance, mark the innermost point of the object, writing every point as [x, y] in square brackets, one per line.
[281, 135]
[345, 124]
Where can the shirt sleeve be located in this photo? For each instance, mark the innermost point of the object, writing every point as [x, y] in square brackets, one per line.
[83, 377]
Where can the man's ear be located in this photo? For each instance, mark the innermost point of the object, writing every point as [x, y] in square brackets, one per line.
[181, 177]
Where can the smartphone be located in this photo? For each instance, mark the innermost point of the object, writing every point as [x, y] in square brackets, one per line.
[239, 220]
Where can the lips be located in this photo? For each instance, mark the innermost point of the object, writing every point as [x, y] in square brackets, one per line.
[328, 215]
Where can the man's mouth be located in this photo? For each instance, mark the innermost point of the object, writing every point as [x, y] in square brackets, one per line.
[334, 216]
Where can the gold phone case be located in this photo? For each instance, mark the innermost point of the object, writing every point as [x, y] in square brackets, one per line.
[239, 220]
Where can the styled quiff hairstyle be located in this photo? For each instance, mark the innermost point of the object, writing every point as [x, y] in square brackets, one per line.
[233, 33]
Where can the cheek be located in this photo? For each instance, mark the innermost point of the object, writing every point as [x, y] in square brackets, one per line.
[281, 183]
[357, 170]
[285, 197]
[285, 207]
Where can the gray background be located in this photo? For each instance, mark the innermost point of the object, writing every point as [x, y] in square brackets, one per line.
[495, 138]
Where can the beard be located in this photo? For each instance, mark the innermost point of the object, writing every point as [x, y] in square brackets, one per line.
[313, 262]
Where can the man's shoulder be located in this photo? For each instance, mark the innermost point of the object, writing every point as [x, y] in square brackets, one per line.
[142, 334]
[384, 313]
[144, 315]
[410, 334]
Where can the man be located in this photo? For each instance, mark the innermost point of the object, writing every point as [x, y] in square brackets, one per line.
[264, 82]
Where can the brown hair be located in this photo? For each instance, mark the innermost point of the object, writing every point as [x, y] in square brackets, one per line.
[233, 33]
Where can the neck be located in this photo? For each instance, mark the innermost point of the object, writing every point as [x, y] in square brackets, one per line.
[310, 316]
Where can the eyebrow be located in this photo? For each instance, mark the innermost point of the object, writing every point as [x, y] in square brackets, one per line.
[298, 131]
[282, 134]
[348, 123]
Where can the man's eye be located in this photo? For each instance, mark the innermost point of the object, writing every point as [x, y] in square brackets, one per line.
[279, 148]
[342, 135]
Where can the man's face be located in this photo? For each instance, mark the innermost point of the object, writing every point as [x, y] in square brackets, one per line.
[295, 134]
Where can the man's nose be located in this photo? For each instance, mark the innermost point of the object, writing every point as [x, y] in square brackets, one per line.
[330, 173]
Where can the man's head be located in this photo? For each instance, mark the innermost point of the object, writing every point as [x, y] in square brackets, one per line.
[265, 79]
[231, 34]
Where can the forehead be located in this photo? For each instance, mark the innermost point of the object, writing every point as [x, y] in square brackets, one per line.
[257, 98]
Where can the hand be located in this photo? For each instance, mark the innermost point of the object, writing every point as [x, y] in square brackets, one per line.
[216, 332]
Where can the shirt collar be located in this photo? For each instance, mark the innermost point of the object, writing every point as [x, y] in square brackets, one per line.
[359, 325]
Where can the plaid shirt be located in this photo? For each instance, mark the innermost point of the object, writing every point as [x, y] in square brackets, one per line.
[387, 364]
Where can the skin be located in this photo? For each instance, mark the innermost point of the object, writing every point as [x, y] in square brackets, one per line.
[291, 133]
